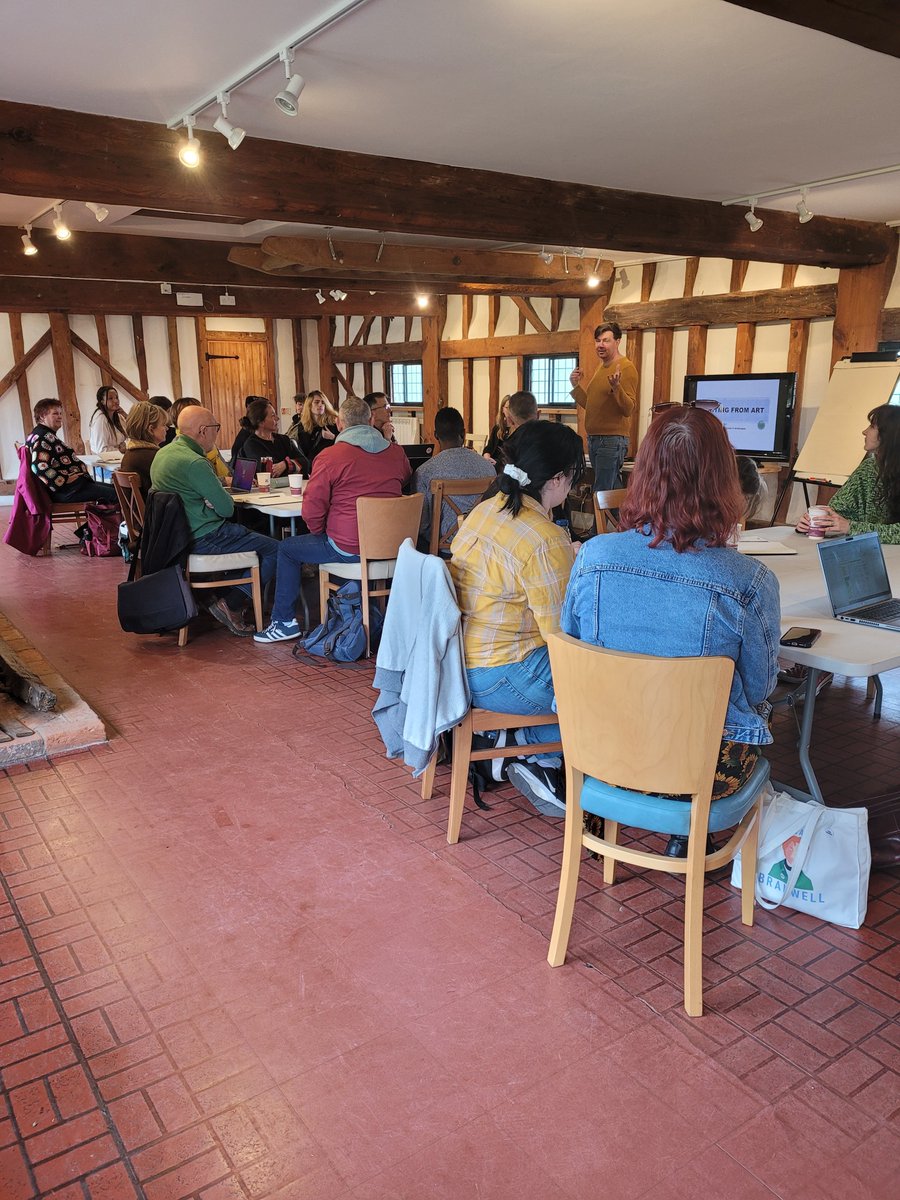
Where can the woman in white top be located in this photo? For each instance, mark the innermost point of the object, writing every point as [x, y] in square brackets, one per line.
[107, 430]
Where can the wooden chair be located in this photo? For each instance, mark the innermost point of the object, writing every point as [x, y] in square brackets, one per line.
[649, 725]
[215, 564]
[384, 523]
[448, 489]
[131, 502]
[603, 503]
[64, 512]
[482, 720]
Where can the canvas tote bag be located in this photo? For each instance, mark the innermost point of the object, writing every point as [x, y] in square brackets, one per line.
[812, 858]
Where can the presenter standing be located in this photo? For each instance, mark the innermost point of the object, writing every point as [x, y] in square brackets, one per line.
[608, 402]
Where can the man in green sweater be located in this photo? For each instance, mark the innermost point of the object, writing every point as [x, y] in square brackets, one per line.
[183, 467]
[608, 403]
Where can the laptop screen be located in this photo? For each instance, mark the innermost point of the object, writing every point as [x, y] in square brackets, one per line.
[418, 455]
[244, 474]
[854, 571]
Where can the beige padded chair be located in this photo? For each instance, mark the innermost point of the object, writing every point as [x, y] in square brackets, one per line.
[481, 720]
[638, 731]
[449, 489]
[131, 501]
[384, 523]
[603, 503]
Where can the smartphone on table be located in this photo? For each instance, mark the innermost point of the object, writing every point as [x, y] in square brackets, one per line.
[800, 635]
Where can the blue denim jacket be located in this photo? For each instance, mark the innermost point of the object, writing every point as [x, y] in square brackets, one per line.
[626, 596]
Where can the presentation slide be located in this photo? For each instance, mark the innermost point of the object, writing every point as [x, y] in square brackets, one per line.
[748, 408]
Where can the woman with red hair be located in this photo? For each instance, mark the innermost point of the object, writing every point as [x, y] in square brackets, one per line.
[669, 584]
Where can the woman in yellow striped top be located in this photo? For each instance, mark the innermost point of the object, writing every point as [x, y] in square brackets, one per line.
[511, 564]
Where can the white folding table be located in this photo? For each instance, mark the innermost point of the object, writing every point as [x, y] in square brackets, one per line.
[859, 651]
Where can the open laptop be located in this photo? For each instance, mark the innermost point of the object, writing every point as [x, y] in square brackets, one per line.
[857, 581]
[418, 455]
[244, 475]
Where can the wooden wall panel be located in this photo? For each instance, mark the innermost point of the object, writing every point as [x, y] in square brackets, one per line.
[64, 366]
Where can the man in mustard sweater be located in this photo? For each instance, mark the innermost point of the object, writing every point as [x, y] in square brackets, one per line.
[608, 404]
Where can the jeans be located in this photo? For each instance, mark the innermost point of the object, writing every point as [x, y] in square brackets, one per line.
[607, 455]
[292, 554]
[524, 687]
[231, 538]
[85, 488]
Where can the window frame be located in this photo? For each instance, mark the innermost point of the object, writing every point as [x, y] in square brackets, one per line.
[404, 404]
[567, 405]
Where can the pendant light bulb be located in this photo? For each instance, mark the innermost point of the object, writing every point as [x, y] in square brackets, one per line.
[422, 300]
[286, 99]
[60, 228]
[189, 151]
[233, 134]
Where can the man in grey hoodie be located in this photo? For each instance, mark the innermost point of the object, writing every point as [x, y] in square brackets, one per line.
[360, 463]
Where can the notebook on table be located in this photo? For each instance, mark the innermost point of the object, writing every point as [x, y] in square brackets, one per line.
[857, 581]
[243, 475]
[760, 545]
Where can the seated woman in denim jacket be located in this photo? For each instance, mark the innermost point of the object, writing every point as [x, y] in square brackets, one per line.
[510, 564]
[670, 585]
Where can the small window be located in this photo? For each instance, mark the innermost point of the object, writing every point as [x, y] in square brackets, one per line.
[406, 384]
[895, 346]
[547, 376]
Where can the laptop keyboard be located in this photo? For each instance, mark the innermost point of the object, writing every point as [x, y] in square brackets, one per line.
[888, 610]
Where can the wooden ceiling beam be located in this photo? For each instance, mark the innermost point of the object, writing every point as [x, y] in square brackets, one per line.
[187, 264]
[869, 23]
[313, 256]
[114, 161]
[102, 296]
[729, 308]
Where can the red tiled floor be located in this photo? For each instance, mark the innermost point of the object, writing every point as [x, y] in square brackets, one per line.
[238, 960]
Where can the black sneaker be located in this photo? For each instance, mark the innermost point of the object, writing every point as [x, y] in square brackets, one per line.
[543, 787]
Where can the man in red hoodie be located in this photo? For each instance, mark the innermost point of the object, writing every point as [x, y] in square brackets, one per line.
[360, 463]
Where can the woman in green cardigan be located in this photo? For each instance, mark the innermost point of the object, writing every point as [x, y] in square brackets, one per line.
[869, 502]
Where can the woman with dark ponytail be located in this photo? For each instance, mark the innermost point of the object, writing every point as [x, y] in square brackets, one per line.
[107, 431]
[511, 564]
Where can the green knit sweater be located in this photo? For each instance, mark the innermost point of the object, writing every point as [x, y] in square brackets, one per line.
[861, 500]
[183, 467]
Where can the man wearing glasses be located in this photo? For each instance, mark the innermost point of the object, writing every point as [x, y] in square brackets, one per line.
[182, 467]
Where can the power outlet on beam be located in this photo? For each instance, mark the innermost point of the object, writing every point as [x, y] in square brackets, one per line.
[226, 298]
[191, 299]
[166, 289]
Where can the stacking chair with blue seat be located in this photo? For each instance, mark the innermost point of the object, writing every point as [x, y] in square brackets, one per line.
[636, 731]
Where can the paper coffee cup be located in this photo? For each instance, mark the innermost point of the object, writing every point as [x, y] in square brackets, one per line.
[296, 484]
[818, 515]
[262, 480]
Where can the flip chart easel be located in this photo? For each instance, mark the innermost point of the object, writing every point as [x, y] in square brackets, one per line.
[833, 447]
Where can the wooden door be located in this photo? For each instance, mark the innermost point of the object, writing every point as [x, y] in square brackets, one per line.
[232, 366]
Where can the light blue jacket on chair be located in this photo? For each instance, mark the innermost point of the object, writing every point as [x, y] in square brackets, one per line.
[625, 595]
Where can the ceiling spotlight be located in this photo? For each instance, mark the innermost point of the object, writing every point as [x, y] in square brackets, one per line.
[190, 148]
[752, 219]
[593, 279]
[422, 300]
[98, 210]
[286, 100]
[546, 256]
[320, 297]
[803, 212]
[233, 134]
[27, 244]
[60, 228]
[337, 294]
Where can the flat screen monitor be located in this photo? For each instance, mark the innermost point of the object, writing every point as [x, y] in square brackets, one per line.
[756, 410]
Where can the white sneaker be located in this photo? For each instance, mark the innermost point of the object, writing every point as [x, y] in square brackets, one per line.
[542, 787]
[279, 631]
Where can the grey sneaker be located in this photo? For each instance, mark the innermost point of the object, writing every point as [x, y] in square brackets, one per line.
[279, 631]
[543, 787]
